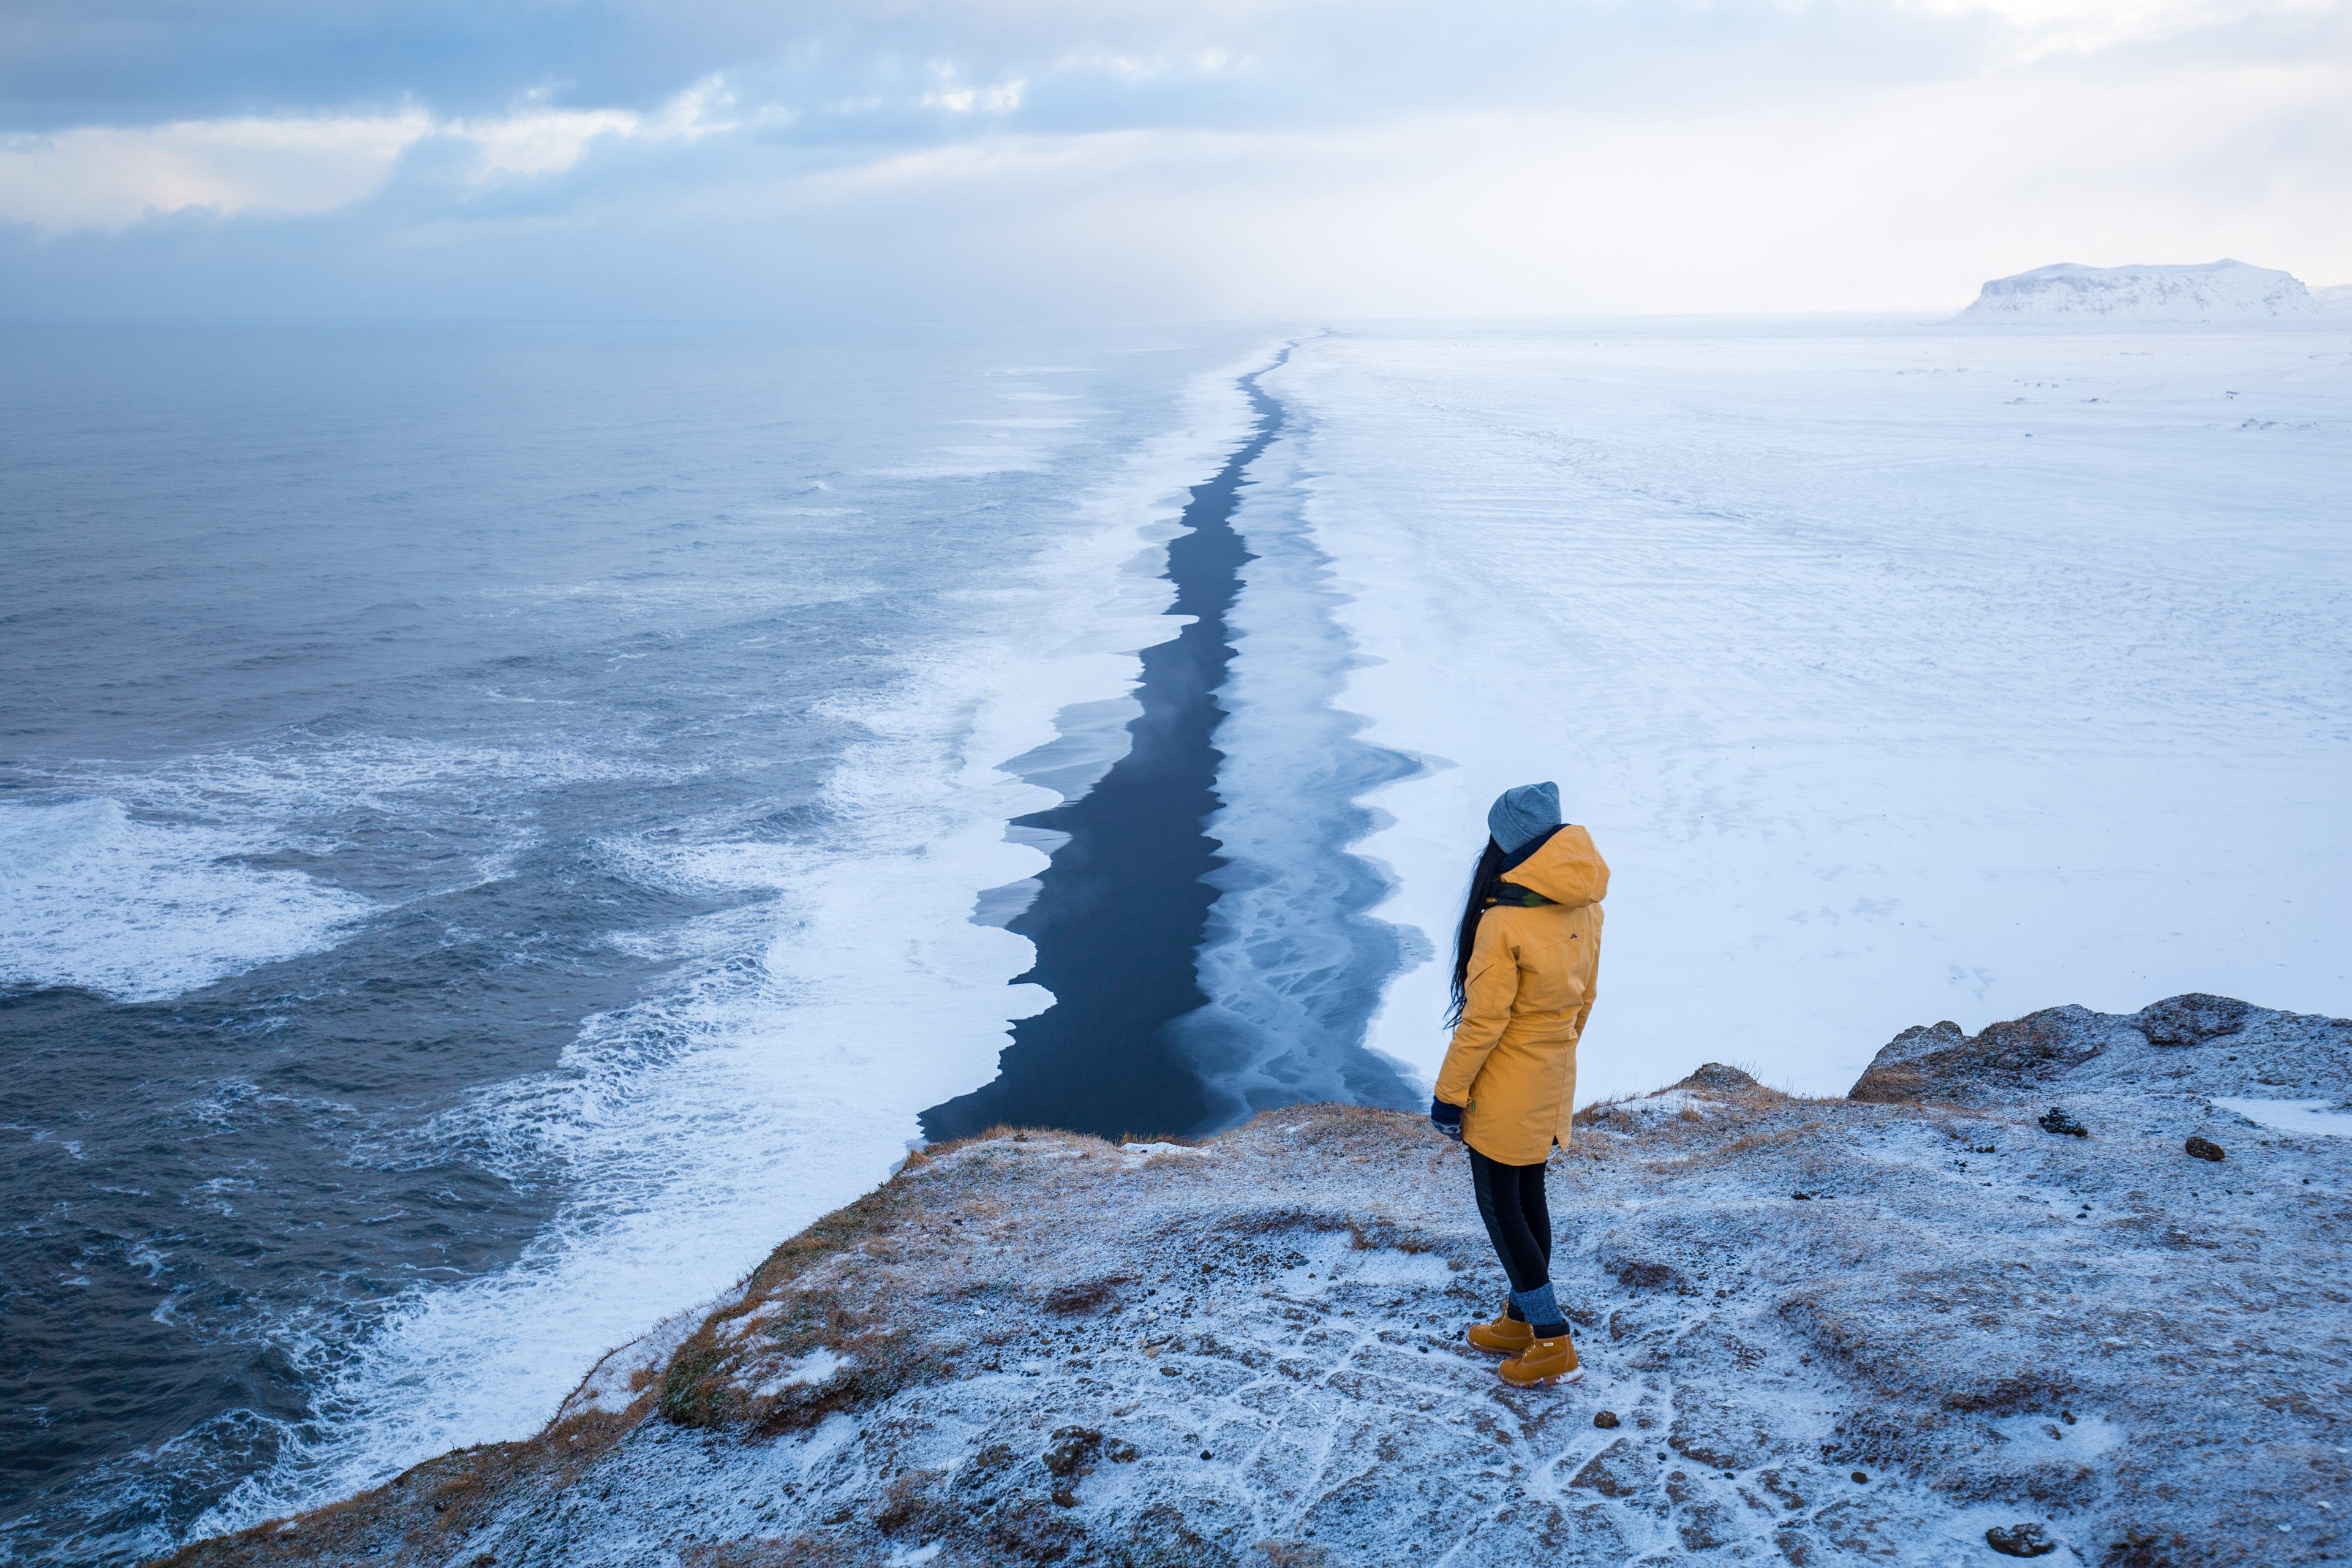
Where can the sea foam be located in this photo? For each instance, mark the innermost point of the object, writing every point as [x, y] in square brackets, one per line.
[781, 1072]
[141, 910]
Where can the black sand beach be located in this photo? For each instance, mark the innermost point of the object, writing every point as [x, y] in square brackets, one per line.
[1122, 909]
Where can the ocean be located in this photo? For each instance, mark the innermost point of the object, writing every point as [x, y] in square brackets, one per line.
[490, 819]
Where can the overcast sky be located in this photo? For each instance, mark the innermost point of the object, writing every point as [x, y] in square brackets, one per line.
[1133, 158]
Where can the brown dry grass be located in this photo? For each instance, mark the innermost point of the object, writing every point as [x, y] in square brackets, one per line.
[415, 1516]
[1747, 1144]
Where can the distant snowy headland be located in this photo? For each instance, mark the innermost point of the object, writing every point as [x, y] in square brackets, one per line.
[2210, 292]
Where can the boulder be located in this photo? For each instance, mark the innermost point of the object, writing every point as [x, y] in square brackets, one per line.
[2191, 1019]
[2003, 1063]
[2019, 1541]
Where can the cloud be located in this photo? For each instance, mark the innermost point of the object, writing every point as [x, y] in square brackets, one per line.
[109, 177]
[2034, 29]
[1291, 157]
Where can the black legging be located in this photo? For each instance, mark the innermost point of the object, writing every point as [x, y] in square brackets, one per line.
[1519, 1221]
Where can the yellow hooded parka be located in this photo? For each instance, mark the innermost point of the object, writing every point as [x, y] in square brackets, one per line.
[1512, 1065]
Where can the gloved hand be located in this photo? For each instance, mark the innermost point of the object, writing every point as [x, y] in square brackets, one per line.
[1446, 1118]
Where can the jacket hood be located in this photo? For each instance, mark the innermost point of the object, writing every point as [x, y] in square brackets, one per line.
[1566, 869]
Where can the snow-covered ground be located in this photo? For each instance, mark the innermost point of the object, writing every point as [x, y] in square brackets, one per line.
[1901, 673]
[2206, 292]
[1814, 1333]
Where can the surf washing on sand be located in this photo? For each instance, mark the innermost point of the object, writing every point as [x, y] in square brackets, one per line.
[553, 871]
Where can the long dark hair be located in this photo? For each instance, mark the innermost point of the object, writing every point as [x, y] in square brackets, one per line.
[1482, 877]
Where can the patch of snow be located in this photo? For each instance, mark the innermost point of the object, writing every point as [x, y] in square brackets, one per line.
[2208, 291]
[1670, 1102]
[817, 1366]
[1401, 1271]
[834, 1433]
[2040, 1436]
[608, 1385]
[2306, 1116]
[753, 1319]
[1146, 1151]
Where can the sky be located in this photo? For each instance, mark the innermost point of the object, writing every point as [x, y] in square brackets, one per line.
[1145, 160]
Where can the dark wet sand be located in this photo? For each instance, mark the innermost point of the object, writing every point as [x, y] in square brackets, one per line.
[1120, 912]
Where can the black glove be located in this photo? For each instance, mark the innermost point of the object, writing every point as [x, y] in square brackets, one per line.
[1446, 1118]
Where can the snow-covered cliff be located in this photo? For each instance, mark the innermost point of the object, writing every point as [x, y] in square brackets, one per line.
[2211, 291]
[2072, 1286]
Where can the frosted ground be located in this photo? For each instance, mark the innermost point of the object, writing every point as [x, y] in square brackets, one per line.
[1902, 673]
[1892, 1329]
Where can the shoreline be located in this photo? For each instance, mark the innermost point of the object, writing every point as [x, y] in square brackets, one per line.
[1123, 908]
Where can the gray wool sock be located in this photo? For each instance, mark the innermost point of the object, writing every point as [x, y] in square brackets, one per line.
[1541, 1311]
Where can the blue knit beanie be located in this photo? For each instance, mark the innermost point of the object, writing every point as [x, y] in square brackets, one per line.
[1520, 815]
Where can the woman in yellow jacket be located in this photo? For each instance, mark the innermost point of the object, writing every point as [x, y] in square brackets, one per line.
[1523, 970]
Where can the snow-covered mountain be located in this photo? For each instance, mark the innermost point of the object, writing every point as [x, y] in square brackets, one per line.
[2213, 291]
[2333, 298]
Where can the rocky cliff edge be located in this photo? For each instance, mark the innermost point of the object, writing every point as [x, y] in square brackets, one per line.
[2074, 1288]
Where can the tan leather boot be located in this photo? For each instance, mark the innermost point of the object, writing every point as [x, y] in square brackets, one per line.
[1505, 1336]
[1544, 1362]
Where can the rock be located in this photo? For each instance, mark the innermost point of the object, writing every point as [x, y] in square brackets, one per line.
[2190, 1019]
[2205, 1148]
[1715, 1075]
[1892, 1074]
[1861, 1478]
[1073, 1452]
[2055, 1119]
[2004, 1061]
[1087, 1296]
[1604, 1419]
[2019, 1541]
